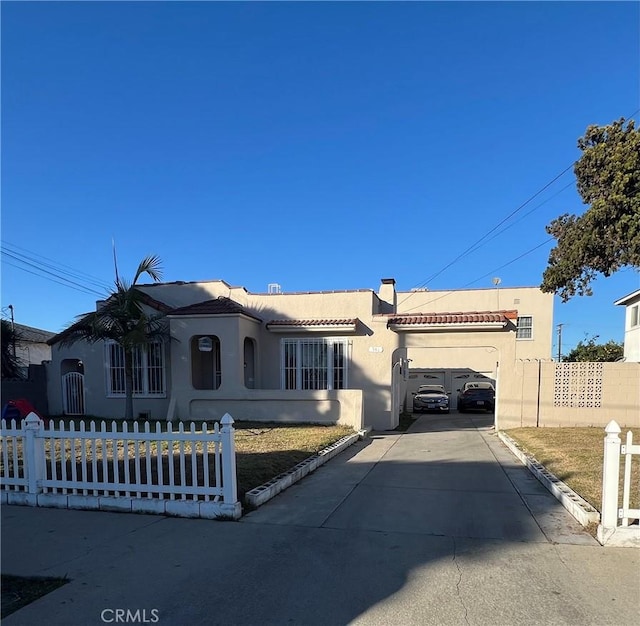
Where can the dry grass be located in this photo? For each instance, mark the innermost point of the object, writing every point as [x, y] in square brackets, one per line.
[574, 455]
[266, 450]
[263, 450]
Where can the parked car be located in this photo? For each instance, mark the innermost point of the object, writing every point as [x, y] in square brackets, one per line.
[477, 395]
[431, 398]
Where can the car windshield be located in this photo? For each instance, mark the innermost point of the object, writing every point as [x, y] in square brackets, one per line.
[431, 390]
[484, 386]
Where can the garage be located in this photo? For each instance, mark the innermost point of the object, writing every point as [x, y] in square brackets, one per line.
[451, 379]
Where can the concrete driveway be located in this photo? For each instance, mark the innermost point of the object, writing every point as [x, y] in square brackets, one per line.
[439, 525]
[449, 475]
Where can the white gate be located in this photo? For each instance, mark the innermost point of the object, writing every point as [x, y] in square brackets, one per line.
[73, 393]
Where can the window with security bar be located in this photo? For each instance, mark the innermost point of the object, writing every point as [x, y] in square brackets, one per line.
[524, 328]
[314, 363]
[148, 370]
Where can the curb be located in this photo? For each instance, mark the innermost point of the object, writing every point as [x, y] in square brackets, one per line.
[259, 495]
[575, 504]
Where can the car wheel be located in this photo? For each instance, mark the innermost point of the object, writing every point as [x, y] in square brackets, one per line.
[461, 409]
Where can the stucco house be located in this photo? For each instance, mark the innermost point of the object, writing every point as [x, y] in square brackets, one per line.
[32, 347]
[631, 303]
[353, 357]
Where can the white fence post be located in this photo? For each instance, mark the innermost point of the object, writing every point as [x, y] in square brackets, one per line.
[610, 476]
[33, 452]
[229, 479]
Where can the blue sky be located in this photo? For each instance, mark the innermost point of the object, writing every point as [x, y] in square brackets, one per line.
[316, 145]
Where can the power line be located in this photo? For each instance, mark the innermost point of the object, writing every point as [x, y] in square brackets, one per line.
[448, 293]
[54, 265]
[477, 244]
[67, 282]
[535, 208]
[473, 246]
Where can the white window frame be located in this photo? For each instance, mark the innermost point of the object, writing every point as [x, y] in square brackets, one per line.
[294, 348]
[529, 327]
[635, 312]
[143, 372]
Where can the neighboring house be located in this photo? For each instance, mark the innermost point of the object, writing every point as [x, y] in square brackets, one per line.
[631, 326]
[32, 348]
[348, 356]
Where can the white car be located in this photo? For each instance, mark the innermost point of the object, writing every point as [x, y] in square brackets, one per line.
[431, 398]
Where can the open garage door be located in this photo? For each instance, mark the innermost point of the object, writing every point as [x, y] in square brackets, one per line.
[451, 379]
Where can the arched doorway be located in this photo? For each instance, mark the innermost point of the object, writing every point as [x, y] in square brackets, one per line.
[72, 371]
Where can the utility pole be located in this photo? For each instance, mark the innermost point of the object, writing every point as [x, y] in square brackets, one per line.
[560, 342]
[13, 330]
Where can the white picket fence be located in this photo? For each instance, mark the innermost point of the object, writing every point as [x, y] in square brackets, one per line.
[612, 516]
[188, 473]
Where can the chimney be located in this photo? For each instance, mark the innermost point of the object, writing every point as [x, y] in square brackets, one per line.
[387, 295]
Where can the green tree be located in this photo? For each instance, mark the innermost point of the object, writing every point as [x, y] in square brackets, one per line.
[606, 237]
[122, 318]
[11, 364]
[589, 350]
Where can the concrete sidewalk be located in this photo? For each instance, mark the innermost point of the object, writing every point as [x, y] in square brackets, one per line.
[439, 525]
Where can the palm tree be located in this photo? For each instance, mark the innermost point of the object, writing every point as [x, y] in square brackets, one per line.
[123, 319]
[11, 364]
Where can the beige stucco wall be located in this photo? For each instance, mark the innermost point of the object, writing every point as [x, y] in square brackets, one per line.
[616, 389]
[371, 347]
[96, 401]
[528, 301]
[320, 407]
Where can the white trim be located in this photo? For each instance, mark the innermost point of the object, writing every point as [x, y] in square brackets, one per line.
[315, 328]
[145, 368]
[626, 299]
[248, 316]
[329, 343]
[530, 327]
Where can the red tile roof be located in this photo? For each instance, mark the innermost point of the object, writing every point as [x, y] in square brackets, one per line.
[145, 298]
[153, 303]
[472, 317]
[314, 322]
[217, 306]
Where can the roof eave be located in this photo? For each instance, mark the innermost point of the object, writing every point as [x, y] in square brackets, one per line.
[212, 315]
[628, 298]
[312, 328]
[450, 326]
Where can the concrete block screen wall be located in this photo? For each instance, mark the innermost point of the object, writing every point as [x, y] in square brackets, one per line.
[573, 394]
